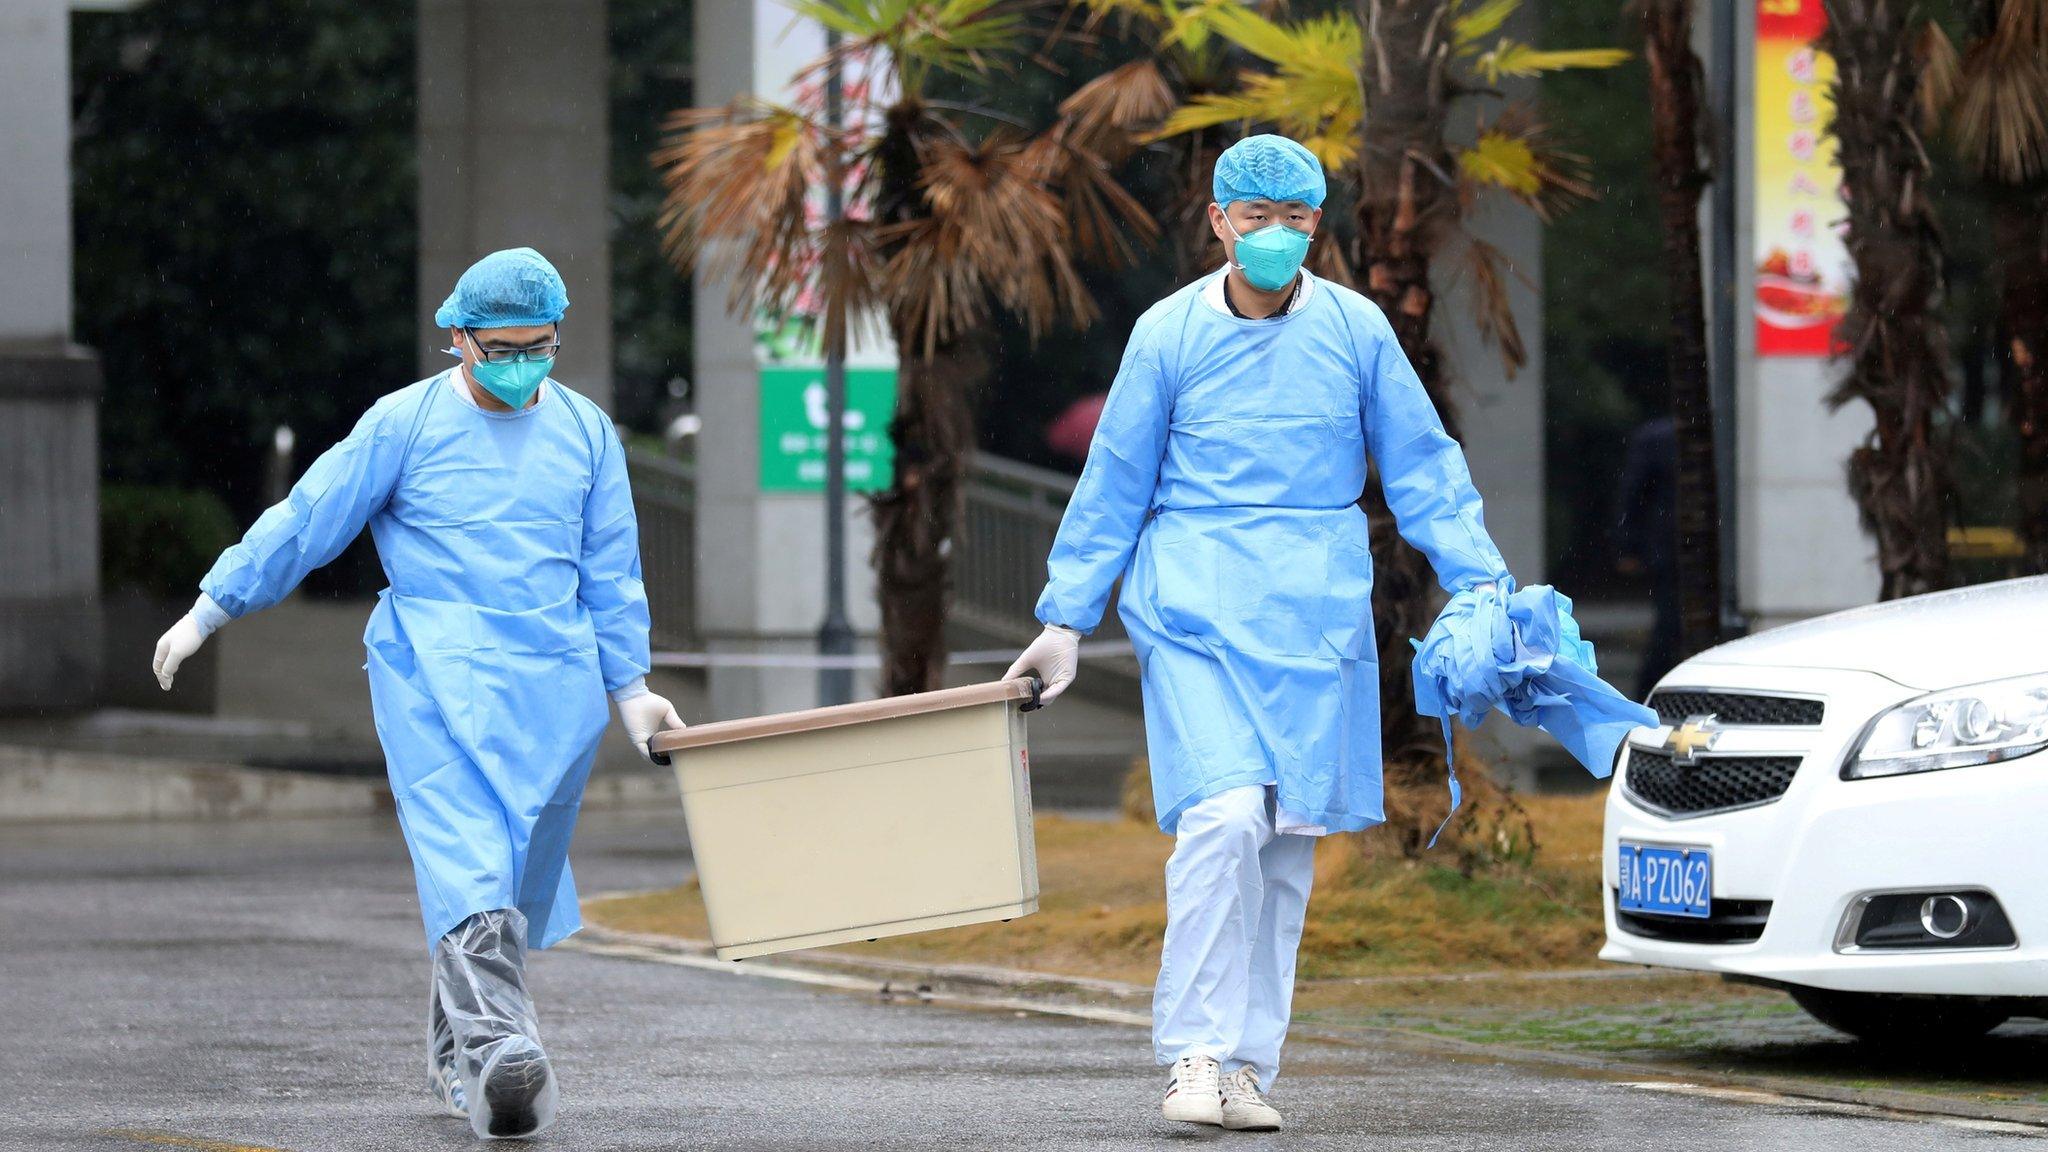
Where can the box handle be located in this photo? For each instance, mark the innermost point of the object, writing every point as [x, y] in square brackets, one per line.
[1034, 704]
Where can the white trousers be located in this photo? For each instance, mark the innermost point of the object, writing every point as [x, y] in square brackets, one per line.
[1236, 892]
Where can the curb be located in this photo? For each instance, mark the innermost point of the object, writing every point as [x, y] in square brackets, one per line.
[1109, 1001]
[45, 785]
[49, 785]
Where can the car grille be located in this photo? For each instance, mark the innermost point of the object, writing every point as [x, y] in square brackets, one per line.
[1727, 922]
[1679, 705]
[1709, 784]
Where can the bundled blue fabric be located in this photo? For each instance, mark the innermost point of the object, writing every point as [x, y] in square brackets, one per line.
[1519, 651]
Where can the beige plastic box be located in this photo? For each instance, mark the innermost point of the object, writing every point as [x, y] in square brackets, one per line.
[862, 820]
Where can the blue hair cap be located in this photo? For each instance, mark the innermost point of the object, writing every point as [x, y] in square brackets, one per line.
[1269, 168]
[515, 288]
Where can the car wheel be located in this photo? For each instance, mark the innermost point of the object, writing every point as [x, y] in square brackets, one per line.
[1890, 1020]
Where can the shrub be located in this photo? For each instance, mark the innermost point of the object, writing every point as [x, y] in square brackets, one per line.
[160, 541]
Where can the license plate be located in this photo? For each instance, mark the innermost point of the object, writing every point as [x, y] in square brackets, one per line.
[1666, 881]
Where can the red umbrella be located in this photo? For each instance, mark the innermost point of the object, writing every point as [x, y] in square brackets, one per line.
[1070, 434]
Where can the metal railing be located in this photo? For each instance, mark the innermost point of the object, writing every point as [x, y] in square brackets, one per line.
[1012, 512]
[665, 500]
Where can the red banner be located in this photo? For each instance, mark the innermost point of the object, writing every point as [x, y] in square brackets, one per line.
[1802, 266]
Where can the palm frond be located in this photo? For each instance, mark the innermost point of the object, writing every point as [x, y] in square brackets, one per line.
[1210, 109]
[1192, 26]
[1481, 20]
[994, 232]
[737, 182]
[1328, 259]
[1514, 58]
[1133, 17]
[844, 281]
[2023, 24]
[2000, 111]
[1502, 161]
[1940, 74]
[1492, 308]
[1108, 113]
[1272, 42]
[1515, 155]
[2001, 124]
[1145, 10]
[1312, 94]
[1104, 220]
[858, 21]
[919, 37]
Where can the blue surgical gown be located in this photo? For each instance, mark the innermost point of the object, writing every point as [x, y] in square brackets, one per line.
[1222, 485]
[515, 603]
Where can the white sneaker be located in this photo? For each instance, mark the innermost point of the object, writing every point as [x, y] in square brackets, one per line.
[1194, 1094]
[1244, 1107]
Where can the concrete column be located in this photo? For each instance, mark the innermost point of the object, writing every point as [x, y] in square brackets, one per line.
[35, 183]
[514, 151]
[1801, 549]
[761, 555]
[1502, 427]
[49, 388]
[1502, 419]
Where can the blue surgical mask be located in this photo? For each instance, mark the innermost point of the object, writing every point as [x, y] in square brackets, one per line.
[1271, 256]
[516, 382]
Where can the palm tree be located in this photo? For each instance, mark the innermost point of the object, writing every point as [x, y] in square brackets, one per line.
[951, 210]
[1120, 111]
[1411, 63]
[1676, 79]
[1994, 98]
[1896, 347]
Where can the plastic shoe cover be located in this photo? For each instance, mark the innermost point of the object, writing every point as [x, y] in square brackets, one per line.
[519, 1094]
[443, 1079]
[480, 983]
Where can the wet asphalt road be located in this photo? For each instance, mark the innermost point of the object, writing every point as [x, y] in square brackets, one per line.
[224, 987]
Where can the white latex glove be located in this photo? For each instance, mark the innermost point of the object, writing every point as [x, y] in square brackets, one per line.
[643, 715]
[176, 646]
[1055, 656]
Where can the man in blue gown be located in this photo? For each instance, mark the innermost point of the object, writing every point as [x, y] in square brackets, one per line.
[499, 504]
[1222, 486]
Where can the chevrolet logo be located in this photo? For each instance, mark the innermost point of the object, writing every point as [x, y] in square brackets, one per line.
[1691, 738]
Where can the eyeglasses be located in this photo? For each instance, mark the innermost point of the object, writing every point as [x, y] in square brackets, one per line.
[545, 351]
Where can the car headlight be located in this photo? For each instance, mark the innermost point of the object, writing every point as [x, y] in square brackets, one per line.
[1980, 724]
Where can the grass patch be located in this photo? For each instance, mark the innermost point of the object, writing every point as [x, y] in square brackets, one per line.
[1374, 913]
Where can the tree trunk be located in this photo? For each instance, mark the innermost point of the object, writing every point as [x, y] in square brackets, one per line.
[1191, 245]
[2020, 223]
[1896, 348]
[917, 517]
[1676, 79]
[1405, 208]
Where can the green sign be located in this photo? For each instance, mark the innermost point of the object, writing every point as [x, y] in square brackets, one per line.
[793, 428]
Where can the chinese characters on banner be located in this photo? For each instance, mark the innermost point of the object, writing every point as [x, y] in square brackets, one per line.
[1802, 266]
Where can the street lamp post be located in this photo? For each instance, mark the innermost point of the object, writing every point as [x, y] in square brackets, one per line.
[1721, 338]
[835, 634]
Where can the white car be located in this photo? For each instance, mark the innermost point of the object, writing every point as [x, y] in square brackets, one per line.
[1852, 808]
